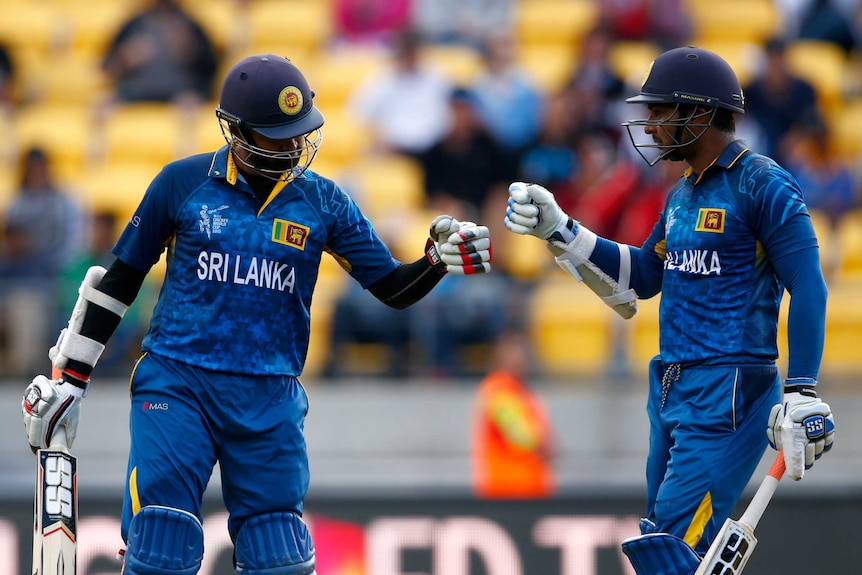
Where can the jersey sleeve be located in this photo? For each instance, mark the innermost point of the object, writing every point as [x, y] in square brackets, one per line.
[353, 241]
[150, 228]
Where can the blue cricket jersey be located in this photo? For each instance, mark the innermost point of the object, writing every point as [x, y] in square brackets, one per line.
[711, 252]
[239, 281]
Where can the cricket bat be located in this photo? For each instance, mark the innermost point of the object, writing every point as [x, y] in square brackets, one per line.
[55, 509]
[732, 547]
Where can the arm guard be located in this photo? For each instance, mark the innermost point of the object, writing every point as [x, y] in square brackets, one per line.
[574, 258]
[71, 345]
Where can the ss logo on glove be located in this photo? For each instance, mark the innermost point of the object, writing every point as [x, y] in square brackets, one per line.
[815, 426]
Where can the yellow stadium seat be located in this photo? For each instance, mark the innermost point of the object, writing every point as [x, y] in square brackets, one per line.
[841, 352]
[559, 23]
[550, 67]
[117, 187]
[460, 64]
[334, 75]
[31, 25]
[644, 333]
[68, 78]
[91, 28]
[824, 65]
[845, 132]
[841, 355]
[570, 329]
[742, 55]
[386, 185]
[345, 138]
[523, 258]
[149, 132]
[308, 21]
[631, 60]
[848, 235]
[734, 20]
[65, 131]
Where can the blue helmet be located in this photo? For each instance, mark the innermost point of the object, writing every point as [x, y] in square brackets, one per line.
[691, 76]
[699, 83]
[266, 95]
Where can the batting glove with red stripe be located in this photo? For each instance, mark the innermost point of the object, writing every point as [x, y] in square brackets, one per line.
[459, 247]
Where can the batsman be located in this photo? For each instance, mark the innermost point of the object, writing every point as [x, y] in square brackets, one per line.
[245, 228]
[733, 235]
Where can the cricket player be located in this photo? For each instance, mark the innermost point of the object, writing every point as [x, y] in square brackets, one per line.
[733, 235]
[244, 228]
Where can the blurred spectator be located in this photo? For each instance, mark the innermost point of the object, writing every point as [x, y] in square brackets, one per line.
[828, 184]
[508, 101]
[550, 158]
[466, 168]
[406, 106]
[776, 99]
[665, 23]
[51, 221]
[602, 186]
[596, 89]
[162, 54]
[825, 20]
[8, 92]
[642, 209]
[512, 443]
[468, 22]
[42, 228]
[372, 22]
[360, 318]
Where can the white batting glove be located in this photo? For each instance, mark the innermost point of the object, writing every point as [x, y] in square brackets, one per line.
[48, 405]
[459, 247]
[803, 427]
[532, 210]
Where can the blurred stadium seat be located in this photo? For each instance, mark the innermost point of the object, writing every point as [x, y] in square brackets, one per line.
[146, 131]
[117, 187]
[282, 26]
[631, 60]
[848, 233]
[824, 65]
[733, 20]
[570, 329]
[384, 185]
[550, 67]
[64, 130]
[845, 131]
[333, 75]
[557, 23]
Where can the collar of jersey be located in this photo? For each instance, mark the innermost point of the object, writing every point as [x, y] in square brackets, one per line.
[728, 157]
[223, 166]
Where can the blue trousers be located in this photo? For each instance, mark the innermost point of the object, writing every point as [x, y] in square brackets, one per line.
[707, 436]
[183, 419]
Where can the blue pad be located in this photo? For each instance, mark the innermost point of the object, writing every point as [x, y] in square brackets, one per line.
[274, 544]
[661, 554]
[164, 541]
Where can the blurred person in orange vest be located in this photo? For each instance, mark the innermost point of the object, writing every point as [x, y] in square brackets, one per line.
[513, 444]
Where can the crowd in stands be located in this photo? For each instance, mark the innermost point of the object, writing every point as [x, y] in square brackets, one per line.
[469, 135]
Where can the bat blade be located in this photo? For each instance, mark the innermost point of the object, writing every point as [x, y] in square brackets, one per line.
[55, 512]
[735, 542]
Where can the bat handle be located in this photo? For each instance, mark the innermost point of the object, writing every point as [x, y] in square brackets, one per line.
[59, 440]
[764, 493]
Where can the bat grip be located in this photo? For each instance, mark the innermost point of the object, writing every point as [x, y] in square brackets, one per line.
[764, 493]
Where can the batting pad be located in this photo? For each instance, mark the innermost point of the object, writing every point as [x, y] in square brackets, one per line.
[660, 554]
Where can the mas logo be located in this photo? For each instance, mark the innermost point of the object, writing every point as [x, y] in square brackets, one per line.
[710, 220]
[289, 233]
